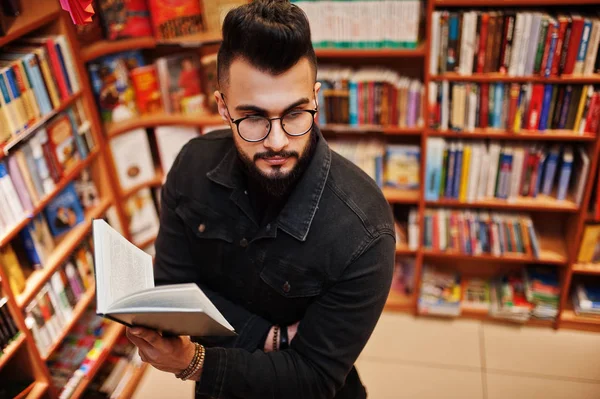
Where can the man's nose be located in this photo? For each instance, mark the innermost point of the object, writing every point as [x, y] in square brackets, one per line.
[277, 139]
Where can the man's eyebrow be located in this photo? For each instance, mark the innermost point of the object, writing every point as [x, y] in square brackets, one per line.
[250, 107]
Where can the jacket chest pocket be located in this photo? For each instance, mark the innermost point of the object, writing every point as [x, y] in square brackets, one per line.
[291, 281]
[210, 234]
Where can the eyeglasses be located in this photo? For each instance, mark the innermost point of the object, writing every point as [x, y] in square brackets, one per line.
[256, 128]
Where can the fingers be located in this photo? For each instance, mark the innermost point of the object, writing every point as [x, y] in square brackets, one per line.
[148, 335]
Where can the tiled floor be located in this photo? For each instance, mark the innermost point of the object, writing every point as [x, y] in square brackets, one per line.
[416, 358]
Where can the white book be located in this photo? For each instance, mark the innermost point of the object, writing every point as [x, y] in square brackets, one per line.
[496, 250]
[125, 291]
[472, 112]
[170, 140]
[133, 158]
[494, 154]
[474, 171]
[445, 111]
[69, 64]
[483, 173]
[585, 37]
[9, 200]
[513, 69]
[524, 45]
[434, 55]
[413, 229]
[592, 50]
[517, 172]
[534, 35]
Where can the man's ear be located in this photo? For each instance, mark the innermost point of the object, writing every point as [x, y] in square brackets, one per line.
[221, 108]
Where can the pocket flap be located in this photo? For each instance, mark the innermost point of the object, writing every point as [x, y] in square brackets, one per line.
[291, 281]
[205, 222]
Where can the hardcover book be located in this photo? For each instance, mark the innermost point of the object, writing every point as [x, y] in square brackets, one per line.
[125, 18]
[64, 212]
[174, 18]
[180, 83]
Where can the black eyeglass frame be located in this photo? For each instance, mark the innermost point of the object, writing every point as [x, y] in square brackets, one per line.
[237, 122]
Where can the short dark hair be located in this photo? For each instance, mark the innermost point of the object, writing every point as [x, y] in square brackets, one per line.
[272, 35]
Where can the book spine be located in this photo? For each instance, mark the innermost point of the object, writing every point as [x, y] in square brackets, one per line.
[7, 186]
[535, 107]
[505, 54]
[32, 66]
[543, 46]
[563, 25]
[435, 43]
[593, 46]
[583, 45]
[593, 118]
[549, 57]
[483, 36]
[484, 105]
[69, 66]
[564, 112]
[565, 175]
[573, 48]
[17, 178]
[547, 104]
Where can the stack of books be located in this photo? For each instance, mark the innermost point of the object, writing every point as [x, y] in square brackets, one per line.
[474, 171]
[36, 76]
[522, 43]
[542, 289]
[508, 298]
[369, 96]
[476, 294]
[360, 24]
[440, 292]
[586, 299]
[8, 327]
[477, 233]
[513, 107]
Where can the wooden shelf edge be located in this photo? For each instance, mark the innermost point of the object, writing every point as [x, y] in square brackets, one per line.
[480, 134]
[155, 182]
[383, 52]
[586, 268]
[60, 254]
[194, 120]
[498, 77]
[11, 349]
[523, 205]
[508, 3]
[396, 196]
[9, 235]
[133, 383]
[77, 312]
[109, 339]
[38, 124]
[106, 47]
[19, 31]
[501, 259]
[38, 391]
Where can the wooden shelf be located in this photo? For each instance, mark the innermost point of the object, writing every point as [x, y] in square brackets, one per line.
[129, 390]
[157, 181]
[541, 203]
[405, 251]
[9, 235]
[6, 147]
[499, 77]
[398, 302]
[586, 268]
[11, 349]
[194, 120]
[34, 391]
[194, 40]
[395, 196]
[112, 334]
[60, 254]
[79, 309]
[546, 258]
[479, 134]
[33, 16]
[510, 3]
[106, 47]
[361, 129]
[482, 314]
[371, 52]
[569, 319]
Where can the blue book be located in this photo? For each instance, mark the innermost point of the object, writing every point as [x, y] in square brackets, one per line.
[553, 41]
[583, 44]
[30, 247]
[565, 174]
[546, 105]
[378, 170]
[550, 169]
[452, 152]
[535, 246]
[504, 174]
[498, 103]
[9, 106]
[14, 93]
[453, 33]
[564, 111]
[353, 102]
[64, 212]
[33, 169]
[433, 168]
[63, 67]
[82, 147]
[457, 171]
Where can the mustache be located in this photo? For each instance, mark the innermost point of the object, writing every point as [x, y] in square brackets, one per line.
[272, 154]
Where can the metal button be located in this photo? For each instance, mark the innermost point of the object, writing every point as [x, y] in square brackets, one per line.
[269, 227]
[286, 287]
[201, 227]
[246, 192]
[243, 242]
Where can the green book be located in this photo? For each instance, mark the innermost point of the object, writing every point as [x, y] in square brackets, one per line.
[541, 45]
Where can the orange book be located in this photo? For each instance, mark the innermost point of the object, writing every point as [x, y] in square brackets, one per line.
[175, 18]
[147, 91]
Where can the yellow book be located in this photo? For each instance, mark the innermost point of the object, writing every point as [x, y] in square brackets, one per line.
[12, 268]
[464, 174]
[32, 112]
[581, 106]
[591, 236]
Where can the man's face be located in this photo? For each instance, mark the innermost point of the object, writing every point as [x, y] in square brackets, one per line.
[252, 92]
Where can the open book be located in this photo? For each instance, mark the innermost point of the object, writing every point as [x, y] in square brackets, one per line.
[125, 291]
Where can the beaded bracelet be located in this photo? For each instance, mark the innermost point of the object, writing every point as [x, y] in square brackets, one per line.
[199, 365]
[275, 338]
[192, 364]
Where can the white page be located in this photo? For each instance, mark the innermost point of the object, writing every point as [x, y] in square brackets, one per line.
[121, 268]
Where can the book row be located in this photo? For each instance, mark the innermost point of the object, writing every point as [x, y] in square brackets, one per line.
[369, 96]
[8, 327]
[36, 76]
[390, 165]
[514, 107]
[122, 19]
[126, 85]
[363, 24]
[586, 299]
[476, 170]
[515, 296]
[477, 233]
[407, 230]
[52, 308]
[522, 43]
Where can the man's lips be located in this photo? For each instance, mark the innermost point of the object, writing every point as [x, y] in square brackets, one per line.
[276, 160]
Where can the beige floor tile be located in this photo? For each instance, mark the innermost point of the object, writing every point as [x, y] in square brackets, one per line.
[158, 385]
[385, 380]
[426, 340]
[542, 351]
[522, 387]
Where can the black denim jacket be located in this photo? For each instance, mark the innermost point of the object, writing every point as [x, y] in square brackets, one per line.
[326, 261]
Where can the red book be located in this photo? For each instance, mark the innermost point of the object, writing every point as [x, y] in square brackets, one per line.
[174, 18]
[534, 176]
[54, 63]
[484, 105]
[551, 31]
[483, 33]
[371, 103]
[147, 90]
[436, 232]
[576, 32]
[453, 232]
[593, 118]
[563, 23]
[535, 106]
[394, 105]
[507, 35]
[513, 103]
[526, 174]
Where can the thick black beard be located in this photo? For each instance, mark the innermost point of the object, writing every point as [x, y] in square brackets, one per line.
[278, 185]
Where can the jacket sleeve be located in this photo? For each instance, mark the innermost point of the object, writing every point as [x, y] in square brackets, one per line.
[174, 264]
[331, 335]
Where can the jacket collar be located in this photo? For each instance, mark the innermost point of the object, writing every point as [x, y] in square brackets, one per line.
[298, 213]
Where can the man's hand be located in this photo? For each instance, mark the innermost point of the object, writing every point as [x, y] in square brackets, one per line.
[170, 354]
[292, 330]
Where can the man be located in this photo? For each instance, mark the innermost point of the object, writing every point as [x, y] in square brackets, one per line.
[275, 228]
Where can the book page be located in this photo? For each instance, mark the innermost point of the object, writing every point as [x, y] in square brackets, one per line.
[121, 268]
